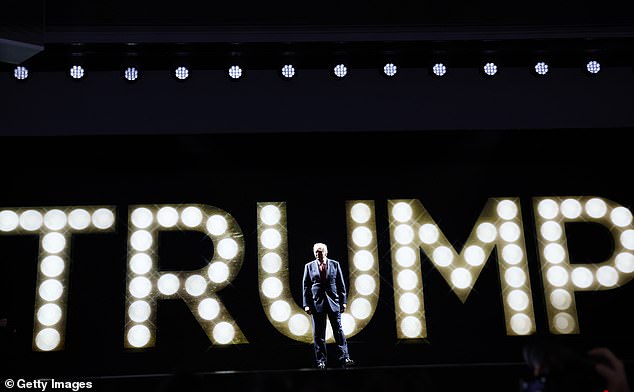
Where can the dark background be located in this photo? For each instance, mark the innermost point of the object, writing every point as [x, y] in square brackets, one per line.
[313, 142]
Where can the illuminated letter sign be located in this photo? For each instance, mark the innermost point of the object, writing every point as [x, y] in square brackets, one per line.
[279, 306]
[499, 225]
[197, 288]
[54, 227]
[561, 279]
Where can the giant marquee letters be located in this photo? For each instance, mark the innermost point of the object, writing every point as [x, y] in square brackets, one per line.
[412, 229]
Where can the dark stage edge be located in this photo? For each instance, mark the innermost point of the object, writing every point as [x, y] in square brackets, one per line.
[485, 377]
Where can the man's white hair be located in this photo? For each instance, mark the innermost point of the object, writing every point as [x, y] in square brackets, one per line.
[320, 245]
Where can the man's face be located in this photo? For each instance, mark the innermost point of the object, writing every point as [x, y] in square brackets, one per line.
[320, 253]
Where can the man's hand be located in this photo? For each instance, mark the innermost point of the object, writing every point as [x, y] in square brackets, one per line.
[307, 310]
[343, 308]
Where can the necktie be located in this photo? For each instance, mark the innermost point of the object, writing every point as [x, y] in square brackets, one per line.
[322, 270]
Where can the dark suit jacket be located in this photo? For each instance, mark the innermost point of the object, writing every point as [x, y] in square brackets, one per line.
[329, 295]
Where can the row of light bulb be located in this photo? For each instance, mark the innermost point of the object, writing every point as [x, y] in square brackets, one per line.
[288, 71]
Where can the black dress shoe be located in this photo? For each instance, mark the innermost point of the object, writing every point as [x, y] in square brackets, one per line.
[348, 362]
[321, 365]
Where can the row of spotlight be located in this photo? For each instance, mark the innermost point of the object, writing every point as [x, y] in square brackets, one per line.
[288, 71]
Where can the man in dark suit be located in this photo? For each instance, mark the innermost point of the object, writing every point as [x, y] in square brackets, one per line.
[325, 297]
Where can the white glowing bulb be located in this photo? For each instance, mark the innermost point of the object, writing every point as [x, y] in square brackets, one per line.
[548, 208]
[227, 248]
[167, 217]
[55, 219]
[271, 238]
[515, 277]
[571, 208]
[31, 220]
[9, 220]
[403, 234]
[411, 327]
[627, 239]
[216, 225]
[409, 303]
[140, 263]
[168, 284]
[486, 232]
[624, 262]
[270, 215]
[218, 272]
[360, 213]
[581, 277]
[52, 266]
[51, 290]
[208, 309]
[271, 262]
[407, 279]
[192, 216]
[53, 242]
[551, 231]
[596, 208]
[621, 216]
[272, 287]
[560, 299]
[510, 231]
[607, 276]
[521, 324]
[474, 255]
[512, 254]
[102, 218]
[47, 339]
[461, 278]
[557, 276]
[139, 336]
[223, 332]
[442, 256]
[365, 284]
[298, 324]
[363, 260]
[428, 233]
[517, 300]
[280, 311]
[79, 219]
[402, 212]
[506, 209]
[554, 253]
[140, 287]
[141, 240]
[142, 218]
[361, 308]
[362, 236]
[564, 323]
[195, 285]
[139, 311]
[405, 256]
[49, 314]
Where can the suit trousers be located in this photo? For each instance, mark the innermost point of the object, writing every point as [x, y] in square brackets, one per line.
[319, 330]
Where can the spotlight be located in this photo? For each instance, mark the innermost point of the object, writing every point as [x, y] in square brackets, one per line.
[181, 73]
[541, 68]
[593, 67]
[490, 69]
[439, 69]
[288, 71]
[389, 69]
[77, 72]
[235, 72]
[21, 73]
[340, 70]
[131, 74]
